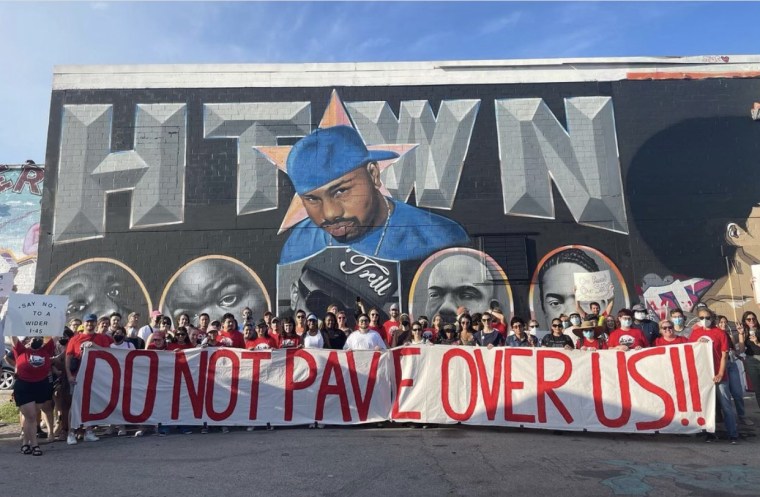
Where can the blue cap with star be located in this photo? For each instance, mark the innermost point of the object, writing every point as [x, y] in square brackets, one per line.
[327, 154]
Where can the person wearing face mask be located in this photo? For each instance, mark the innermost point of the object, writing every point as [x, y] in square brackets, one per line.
[120, 340]
[679, 322]
[627, 337]
[706, 332]
[641, 321]
[520, 338]
[32, 388]
[533, 327]
[590, 336]
[565, 320]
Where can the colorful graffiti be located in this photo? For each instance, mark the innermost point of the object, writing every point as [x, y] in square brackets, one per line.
[220, 200]
[20, 198]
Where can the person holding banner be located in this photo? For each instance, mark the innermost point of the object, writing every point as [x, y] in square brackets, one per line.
[32, 387]
[313, 338]
[489, 336]
[588, 333]
[706, 331]
[627, 337]
[466, 330]
[260, 340]
[668, 335]
[364, 338]
[558, 339]
[289, 338]
[74, 351]
[520, 338]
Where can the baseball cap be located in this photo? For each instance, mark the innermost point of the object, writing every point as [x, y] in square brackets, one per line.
[327, 154]
[312, 317]
[91, 317]
[155, 313]
[261, 323]
[638, 307]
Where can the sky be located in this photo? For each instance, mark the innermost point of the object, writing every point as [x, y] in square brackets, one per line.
[38, 36]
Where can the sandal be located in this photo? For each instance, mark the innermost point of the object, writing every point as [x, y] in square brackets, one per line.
[36, 451]
[26, 449]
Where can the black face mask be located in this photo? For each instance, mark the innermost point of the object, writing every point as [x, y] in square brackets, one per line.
[118, 338]
[63, 341]
[36, 343]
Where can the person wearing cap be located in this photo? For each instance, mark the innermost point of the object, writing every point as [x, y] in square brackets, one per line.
[160, 338]
[230, 336]
[449, 336]
[589, 335]
[313, 338]
[261, 340]
[147, 330]
[641, 321]
[389, 327]
[338, 181]
[73, 360]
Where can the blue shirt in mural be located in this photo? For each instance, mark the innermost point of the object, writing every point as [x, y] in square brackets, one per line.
[411, 234]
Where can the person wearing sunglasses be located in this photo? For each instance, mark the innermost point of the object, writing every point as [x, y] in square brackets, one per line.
[181, 340]
[749, 344]
[343, 323]
[300, 323]
[449, 336]
[557, 337]
[668, 335]
[160, 336]
[466, 330]
[520, 338]
[416, 337]
[489, 336]
[364, 338]
[590, 336]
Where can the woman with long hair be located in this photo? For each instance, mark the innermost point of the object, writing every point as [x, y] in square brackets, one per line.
[466, 330]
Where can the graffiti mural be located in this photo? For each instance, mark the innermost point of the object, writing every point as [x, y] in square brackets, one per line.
[470, 192]
[20, 199]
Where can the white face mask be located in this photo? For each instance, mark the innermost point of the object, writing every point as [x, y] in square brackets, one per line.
[575, 320]
[625, 323]
[640, 315]
[588, 334]
[533, 327]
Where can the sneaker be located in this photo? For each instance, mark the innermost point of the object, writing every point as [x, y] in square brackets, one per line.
[734, 440]
[121, 433]
[225, 429]
[186, 431]
[270, 427]
[710, 438]
[89, 436]
[162, 431]
[139, 433]
[746, 421]
[71, 439]
[109, 431]
[204, 430]
[250, 428]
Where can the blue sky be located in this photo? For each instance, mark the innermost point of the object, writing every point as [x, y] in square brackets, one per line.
[37, 36]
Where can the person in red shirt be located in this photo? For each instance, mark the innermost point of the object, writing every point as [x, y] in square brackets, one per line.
[261, 340]
[230, 336]
[588, 333]
[668, 335]
[705, 331]
[182, 340]
[626, 337]
[389, 326]
[33, 387]
[74, 350]
[501, 321]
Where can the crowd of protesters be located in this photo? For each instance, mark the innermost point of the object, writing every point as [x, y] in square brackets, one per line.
[47, 369]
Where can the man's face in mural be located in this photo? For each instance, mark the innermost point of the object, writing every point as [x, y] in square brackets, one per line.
[458, 280]
[214, 286]
[748, 240]
[100, 288]
[558, 289]
[349, 206]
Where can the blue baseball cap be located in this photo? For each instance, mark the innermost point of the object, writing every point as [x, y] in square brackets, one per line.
[327, 154]
[90, 317]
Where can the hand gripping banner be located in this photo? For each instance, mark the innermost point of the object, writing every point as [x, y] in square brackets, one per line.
[665, 389]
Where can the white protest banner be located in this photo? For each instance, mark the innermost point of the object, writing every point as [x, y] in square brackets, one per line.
[6, 284]
[35, 315]
[591, 287]
[756, 281]
[661, 389]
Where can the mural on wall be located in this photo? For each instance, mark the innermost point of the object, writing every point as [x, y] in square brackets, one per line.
[219, 200]
[20, 198]
[459, 277]
[339, 276]
[101, 286]
[216, 285]
[552, 288]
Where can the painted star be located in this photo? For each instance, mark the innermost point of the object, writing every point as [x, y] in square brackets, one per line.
[335, 115]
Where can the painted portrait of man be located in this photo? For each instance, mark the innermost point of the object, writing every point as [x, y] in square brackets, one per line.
[100, 287]
[215, 285]
[459, 277]
[553, 286]
[338, 181]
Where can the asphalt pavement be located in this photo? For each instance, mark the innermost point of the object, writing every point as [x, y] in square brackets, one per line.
[371, 461]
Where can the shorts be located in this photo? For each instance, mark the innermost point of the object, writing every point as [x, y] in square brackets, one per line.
[38, 392]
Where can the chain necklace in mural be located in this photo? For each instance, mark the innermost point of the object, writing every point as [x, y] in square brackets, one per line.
[385, 228]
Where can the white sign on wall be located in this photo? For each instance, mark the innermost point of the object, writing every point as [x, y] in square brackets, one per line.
[6, 284]
[35, 315]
